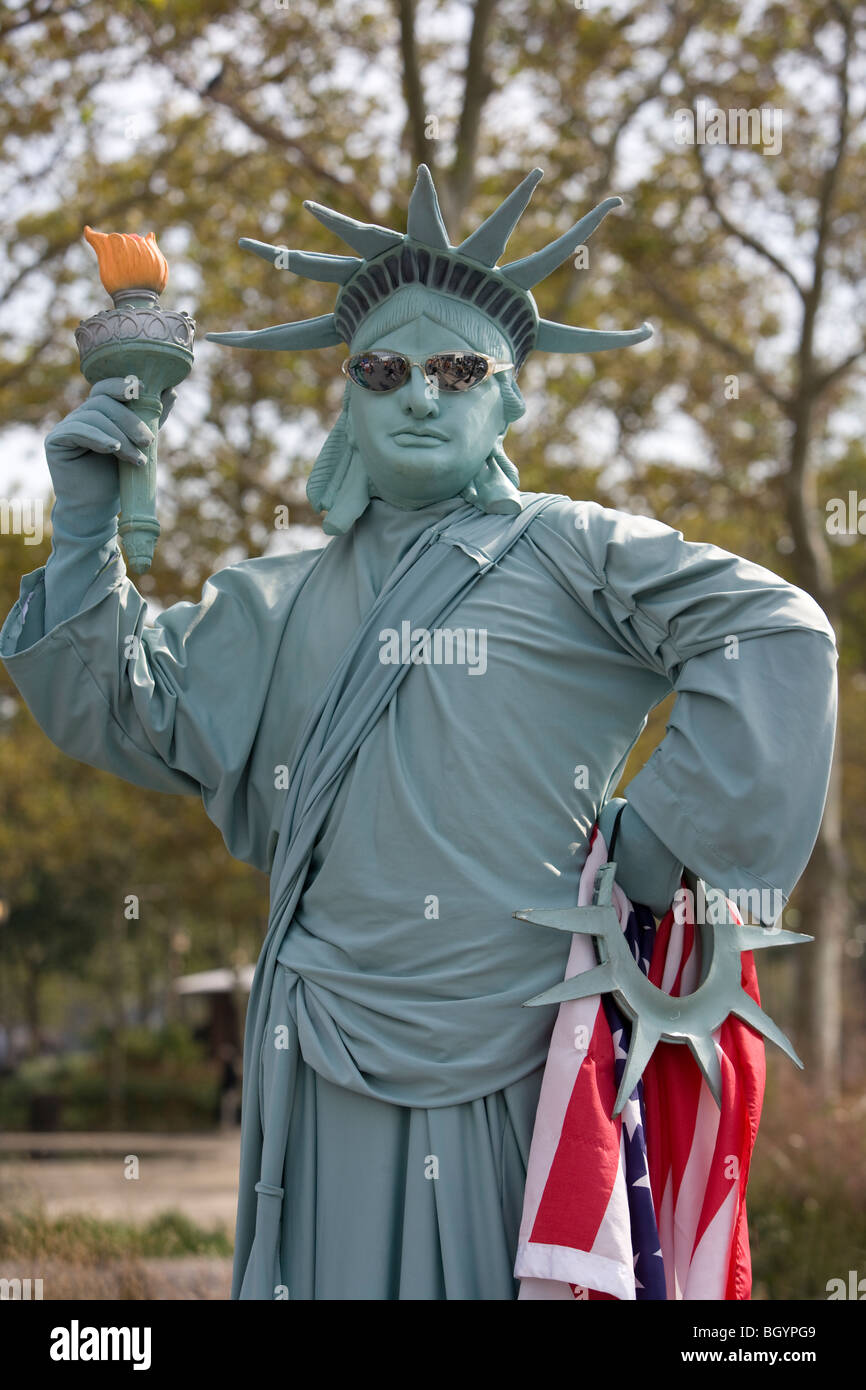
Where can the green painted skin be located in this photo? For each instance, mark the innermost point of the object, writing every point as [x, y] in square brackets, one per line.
[413, 471]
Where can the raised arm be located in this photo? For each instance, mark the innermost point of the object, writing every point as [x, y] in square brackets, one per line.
[176, 705]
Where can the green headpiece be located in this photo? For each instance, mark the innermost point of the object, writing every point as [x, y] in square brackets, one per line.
[462, 278]
[387, 262]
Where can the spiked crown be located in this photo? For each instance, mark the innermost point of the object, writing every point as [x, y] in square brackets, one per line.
[387, 261]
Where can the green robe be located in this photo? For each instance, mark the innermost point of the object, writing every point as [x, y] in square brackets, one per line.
[400, 981]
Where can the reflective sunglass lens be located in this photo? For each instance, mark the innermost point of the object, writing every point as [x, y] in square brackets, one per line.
[378, 371]
[457, 371]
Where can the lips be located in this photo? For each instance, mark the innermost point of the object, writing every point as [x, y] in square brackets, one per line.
[433, 435]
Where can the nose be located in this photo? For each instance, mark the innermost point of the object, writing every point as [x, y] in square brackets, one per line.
[420, 398]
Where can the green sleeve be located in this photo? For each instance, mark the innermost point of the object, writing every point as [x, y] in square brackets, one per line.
[736, 789]
[174, 706]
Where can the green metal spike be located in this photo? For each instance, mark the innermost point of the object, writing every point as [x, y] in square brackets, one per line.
[759, 938]
[562, 337]
[599, 980]
[704, 1052]
[592, 922]
[313, 265]
[306, 333]
[487, 242]
[744, 1007]
[531, 269]
[644, 1038]
[424, 221]
[367, 238]
[655, 1015]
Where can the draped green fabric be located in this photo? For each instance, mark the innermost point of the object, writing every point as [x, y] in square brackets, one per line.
[471, 796]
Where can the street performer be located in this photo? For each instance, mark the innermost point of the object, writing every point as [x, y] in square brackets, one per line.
[415, 731]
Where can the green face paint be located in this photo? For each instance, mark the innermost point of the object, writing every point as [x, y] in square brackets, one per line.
[418, 445]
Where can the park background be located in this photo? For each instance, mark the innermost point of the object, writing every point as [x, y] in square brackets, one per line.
[739, 423]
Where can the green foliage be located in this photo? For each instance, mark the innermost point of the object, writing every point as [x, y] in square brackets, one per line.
[135, 1078]
[148, 1103]
[85, 1240]
[807, 1191]
[171, 1048]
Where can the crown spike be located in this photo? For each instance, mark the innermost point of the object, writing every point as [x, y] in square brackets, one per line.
[703, 1049]
[425, 222]
[366, 238]
[306, 333]
[641, 1048]
[561, 337]
[745, 1008]
[487, 242]
[599, 980]
[540, 264]
[757, 938]
[311, 264]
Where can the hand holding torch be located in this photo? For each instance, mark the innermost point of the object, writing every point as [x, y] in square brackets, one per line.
[151, 348]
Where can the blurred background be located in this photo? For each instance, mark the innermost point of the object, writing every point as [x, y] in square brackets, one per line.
[127, 933]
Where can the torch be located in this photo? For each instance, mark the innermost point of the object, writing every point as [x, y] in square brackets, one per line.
[151, 348]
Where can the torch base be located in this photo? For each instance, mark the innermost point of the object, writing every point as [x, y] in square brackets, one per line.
[139, 535]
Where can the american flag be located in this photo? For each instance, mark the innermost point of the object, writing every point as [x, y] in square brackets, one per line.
[651, 1204]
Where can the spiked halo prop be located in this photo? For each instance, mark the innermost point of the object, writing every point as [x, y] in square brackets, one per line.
[657, 1016]
[387, 261]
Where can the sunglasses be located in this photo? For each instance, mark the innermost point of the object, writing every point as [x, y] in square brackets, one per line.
[449, 371]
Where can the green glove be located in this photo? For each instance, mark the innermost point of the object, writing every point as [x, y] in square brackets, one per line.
[82, 453]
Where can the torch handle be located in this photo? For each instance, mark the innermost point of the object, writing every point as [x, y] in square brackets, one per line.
[137, 526]
[151, 348]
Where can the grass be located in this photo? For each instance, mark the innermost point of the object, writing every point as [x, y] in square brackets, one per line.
[807, 1190]
[806, 1204]
[86, 1240]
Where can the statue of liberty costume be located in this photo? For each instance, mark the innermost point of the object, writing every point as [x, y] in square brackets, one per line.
[405, 807]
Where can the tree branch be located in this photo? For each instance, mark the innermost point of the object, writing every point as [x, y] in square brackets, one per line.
[413, 88]
[33, 16]
[811, 550]
[681, 28]
[834, 373]
[829, 181]
[22, 367]
[687, 315]
[744, 237]
[477, 87]
[265, 129]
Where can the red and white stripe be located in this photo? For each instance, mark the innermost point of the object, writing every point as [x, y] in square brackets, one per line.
[575, 1235]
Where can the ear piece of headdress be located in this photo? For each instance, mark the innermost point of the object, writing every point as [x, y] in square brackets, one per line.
[386, 261]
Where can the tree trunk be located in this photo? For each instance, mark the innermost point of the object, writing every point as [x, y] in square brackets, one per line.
[823, 900]
[823, 892]
[34, 1008]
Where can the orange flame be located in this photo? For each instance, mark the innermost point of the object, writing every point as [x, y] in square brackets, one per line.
[128, 262]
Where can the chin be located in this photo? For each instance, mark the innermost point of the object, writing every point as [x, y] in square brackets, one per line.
[426, 477]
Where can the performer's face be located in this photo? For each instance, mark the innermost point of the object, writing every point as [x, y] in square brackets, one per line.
[419, 447]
